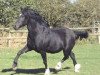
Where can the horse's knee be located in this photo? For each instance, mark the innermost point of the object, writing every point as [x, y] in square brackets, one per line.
[20, 52]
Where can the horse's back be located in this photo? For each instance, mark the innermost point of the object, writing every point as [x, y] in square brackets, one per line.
[63, 32]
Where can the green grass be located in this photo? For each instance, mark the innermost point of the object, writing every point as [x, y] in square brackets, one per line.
[31, 63]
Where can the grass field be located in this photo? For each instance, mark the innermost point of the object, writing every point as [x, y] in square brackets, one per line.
[31, 63]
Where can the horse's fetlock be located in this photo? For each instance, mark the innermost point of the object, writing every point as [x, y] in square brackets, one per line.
[15, 63]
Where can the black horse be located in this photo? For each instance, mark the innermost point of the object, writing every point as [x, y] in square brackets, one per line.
[43, 39]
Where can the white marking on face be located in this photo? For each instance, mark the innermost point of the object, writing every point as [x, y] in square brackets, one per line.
[20, 14]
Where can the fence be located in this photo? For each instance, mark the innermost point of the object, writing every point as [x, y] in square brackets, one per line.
[12, 38]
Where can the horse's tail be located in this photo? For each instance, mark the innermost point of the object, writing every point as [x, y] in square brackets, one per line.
[81, 34]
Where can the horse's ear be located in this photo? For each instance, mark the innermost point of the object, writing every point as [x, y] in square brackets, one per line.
[21, 9]
[27, 7]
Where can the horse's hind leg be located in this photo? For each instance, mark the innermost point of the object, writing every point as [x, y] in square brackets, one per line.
[77, 66]
[72, 55]
[66, 51]
[23, 50]
[66, 56]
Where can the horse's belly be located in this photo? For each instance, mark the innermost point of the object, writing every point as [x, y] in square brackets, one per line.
[55, 47]
[54, 50]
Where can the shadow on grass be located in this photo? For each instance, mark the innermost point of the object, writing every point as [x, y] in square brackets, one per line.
[33, 71]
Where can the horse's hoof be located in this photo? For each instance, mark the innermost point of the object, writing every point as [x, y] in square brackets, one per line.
[14, 67]
[59, 66]
[77, 67]
[47, 72]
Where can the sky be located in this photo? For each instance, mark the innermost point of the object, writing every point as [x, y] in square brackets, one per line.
[72, 1]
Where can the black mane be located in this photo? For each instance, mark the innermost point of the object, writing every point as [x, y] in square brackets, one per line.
[35, 15]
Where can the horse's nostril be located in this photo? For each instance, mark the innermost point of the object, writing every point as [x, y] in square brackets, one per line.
[14, 27]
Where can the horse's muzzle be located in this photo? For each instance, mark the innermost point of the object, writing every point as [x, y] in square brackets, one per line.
[15, 27]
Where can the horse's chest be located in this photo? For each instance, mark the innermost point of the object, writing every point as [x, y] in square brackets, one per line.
[37, 43]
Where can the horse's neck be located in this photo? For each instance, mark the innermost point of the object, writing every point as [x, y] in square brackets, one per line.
[36, 28]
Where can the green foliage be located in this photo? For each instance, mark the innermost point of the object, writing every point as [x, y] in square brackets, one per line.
[8, 11]
[56, 12]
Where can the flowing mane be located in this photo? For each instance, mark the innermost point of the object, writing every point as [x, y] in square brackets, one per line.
[35, 15]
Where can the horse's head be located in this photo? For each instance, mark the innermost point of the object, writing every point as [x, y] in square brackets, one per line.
[23, 18]
[26, 15]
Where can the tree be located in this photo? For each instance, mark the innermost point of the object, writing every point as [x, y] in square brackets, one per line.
[84, 13]
[56, 12]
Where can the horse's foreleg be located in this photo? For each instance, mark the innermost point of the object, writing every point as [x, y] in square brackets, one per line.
[77, 66]
[23, 50]
[44, 57]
